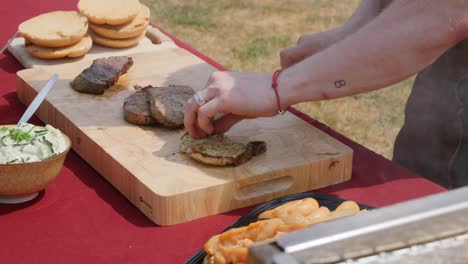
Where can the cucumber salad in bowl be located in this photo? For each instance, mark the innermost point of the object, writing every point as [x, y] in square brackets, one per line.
[29, 143]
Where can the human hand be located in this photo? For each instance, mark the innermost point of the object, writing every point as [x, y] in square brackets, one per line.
[236, 95]
[307, 46]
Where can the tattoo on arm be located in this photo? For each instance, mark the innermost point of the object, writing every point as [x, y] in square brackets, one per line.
[340, 83]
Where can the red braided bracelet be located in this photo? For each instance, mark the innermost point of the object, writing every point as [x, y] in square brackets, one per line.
[274, 85]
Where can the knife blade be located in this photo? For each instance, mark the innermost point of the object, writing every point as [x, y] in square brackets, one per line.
[38, 100]
[9, 41]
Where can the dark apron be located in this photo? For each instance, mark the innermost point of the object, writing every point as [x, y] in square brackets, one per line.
[433, 141]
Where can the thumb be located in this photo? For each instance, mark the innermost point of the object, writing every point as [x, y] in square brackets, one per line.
[292, 55]
[224, 123]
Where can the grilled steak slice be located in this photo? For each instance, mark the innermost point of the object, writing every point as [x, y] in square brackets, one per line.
[136, 109]
[167, 104]
[102, 74]
[219, 150]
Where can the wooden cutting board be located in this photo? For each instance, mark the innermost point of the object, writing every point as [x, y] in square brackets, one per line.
[143, 162]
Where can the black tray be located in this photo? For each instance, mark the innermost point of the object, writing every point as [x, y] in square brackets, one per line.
[331, 202]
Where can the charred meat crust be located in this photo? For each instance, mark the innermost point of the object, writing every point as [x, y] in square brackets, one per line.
[198, 150]
[136, 109]
[167, 104]
[258, 147]
[102, 74]
[254, 148]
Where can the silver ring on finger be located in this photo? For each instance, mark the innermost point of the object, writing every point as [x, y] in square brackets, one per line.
[199, 99]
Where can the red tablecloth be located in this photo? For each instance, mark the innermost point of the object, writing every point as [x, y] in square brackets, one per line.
[81, 218]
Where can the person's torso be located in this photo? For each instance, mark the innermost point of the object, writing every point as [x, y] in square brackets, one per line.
[432, 131]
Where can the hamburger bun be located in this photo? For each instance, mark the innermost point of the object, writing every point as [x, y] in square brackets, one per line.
[116, 43]
[76, 50]
[130, 30]
[111, 12]
[54, 29]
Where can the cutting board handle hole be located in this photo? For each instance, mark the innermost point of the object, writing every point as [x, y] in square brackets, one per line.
[263, 188]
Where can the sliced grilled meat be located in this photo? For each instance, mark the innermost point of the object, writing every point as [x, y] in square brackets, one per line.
[102, 74]
[136, 109]
[167, 104]
[219, 150]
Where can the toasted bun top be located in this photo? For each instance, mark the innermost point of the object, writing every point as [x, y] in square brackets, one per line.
[140, 20]
[57, 26]
[112, 12]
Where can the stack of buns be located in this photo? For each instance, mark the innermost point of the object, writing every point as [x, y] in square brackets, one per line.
[115, 23]
[62, 34]
[57, 34]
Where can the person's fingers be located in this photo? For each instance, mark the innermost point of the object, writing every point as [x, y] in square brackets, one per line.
[206, 113]
[199, 133]
[224, 123]
[190, 117]
[302, 39]
[191, 109]
[292, 56]
[285, 57]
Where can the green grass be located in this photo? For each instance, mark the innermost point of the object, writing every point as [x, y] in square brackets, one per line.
[260, 47]
[248, 36]
[189, 16]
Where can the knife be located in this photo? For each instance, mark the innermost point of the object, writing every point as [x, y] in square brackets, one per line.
[38, 100]
[9, 41]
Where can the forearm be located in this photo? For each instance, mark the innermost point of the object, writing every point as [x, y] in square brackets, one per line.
[366, 11]
[405, 38]
[384, 4]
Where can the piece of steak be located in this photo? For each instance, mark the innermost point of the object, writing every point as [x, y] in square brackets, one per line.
[136, 109]
[167, 104]
[219, 150]
[102, 74]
